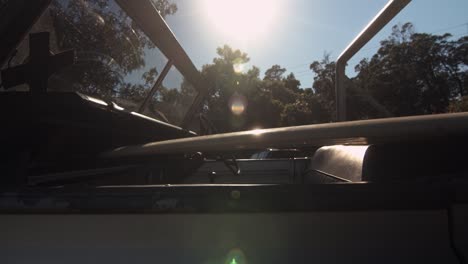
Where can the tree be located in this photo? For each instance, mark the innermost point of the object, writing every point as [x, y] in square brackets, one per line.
[165, 7]
[274, 101]
[227, 82]
[459, 105]
[414, 73]
[275, 73]
[324, 83]
[307, 109]
[411, 73]
[292, 83]
[108, 44]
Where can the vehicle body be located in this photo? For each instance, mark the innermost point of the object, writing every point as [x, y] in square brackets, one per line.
[277, 154]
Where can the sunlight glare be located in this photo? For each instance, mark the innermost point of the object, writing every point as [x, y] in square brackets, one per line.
[241, 19]
[257, 132]
[238, 67]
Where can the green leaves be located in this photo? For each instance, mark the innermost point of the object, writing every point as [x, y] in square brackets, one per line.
[276, 100]
[410, 74]
[413, 73]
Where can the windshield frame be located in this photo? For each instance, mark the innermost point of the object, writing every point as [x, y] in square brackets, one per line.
[150, 21]
[22, 18]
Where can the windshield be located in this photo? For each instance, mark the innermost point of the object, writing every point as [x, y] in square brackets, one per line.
[115, 60]
[265, 67]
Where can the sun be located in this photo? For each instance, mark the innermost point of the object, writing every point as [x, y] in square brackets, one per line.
[241, 19]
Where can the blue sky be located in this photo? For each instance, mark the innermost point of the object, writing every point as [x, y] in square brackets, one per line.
[304, 29]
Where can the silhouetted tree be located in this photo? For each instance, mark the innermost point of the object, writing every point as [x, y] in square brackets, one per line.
[275, 73]
[415, 73]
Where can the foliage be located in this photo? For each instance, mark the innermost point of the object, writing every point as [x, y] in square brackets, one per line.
[276, 100]
[165, 7]
[459, 105]
[274, 73]
[410, 74]
[109, 47]
[415, 73]
[108, 44]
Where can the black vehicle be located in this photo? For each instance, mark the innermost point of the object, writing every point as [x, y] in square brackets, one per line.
[95, 167]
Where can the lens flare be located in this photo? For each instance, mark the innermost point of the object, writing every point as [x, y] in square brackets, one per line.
[236, 256]
[237, 104]
[237, 108]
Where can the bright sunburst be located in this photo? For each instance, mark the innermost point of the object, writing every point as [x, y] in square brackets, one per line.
[241, 19]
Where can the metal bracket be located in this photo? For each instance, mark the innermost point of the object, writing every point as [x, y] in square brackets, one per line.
[156, 86]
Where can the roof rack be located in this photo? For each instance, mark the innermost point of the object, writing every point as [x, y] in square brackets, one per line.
[391, 9]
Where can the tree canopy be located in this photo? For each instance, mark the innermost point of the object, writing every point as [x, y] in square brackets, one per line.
[112, 60]
[410, 74]
[276, 100]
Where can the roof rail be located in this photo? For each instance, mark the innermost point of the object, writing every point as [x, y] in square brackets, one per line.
[391, 9]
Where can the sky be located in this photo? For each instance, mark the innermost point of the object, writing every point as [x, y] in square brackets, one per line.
[301, 31]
